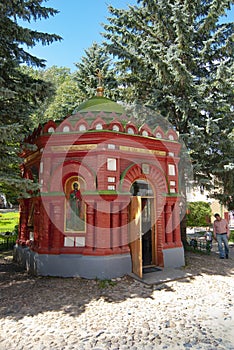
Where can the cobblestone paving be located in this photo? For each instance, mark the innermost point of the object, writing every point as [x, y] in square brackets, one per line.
[46, 313]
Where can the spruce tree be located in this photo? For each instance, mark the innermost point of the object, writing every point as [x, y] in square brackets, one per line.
[178, 58]
[96, 58]
[20, 93]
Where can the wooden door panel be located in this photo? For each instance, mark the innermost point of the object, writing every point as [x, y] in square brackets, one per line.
[135, 235]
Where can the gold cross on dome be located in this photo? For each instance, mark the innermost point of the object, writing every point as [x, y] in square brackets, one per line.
[100, 76]
[100, 88]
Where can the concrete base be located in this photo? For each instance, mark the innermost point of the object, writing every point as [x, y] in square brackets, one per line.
[73, 265]
[173, 257]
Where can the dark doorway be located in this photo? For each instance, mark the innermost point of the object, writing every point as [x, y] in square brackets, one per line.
[142, 190]
[146, 231]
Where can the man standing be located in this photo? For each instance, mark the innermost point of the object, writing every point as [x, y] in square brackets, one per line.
[221, 234]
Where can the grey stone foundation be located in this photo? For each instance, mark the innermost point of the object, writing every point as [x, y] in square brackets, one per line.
[73, 265]
[173, 257]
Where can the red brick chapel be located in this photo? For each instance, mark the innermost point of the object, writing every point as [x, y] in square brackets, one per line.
[108, 203]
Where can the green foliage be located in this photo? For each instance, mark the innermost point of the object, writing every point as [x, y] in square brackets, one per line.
[64, 101]
[177, 58]
[86, 74]
[232, 236]
[8, 221]
[102, 284]
[20, 93]
[199, 214]
[64, 98]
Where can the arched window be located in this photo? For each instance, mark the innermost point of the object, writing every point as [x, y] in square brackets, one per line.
[66, 128]
[130, 131]
[99, 126]
[82, 127]
[115, 127]
[141, 188]
[158, 135]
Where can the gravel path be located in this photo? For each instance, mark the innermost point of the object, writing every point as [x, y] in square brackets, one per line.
[45, 313]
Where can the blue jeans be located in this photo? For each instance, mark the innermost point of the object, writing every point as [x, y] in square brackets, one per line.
[222, 239]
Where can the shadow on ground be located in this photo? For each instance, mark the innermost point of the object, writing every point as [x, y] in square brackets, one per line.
[25, 295]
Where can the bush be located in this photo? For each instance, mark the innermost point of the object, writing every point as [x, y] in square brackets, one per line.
[198, 214]
[231, 236]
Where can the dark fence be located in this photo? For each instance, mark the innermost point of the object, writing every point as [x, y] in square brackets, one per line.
[7, 241]
[197, 241]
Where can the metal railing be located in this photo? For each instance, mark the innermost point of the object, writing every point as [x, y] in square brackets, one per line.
[7, 241]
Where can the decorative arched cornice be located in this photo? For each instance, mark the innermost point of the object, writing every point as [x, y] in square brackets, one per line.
[65, 126]
[81, 125]
[49, 127]
[145, 130]
[116, 124]
[131, 126]
[156, 176]
[98, 121]
[159, 133]
[69, 168]
[172, 135]
[157, 179]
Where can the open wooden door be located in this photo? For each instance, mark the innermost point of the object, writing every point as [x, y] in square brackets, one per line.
[135, 238]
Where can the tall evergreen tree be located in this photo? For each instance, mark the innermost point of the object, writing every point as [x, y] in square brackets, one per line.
[96, 58]
[19, 92]
[178, 58]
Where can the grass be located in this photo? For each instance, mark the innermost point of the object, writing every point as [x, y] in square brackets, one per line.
[8, 221]
[105, 283]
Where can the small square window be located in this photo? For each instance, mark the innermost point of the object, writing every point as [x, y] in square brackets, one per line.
[111, 179]
[111, 187]
[145, 168]
[171, 169]
[80, 241]
[69, 242]
[111, 164]
[41, 167]
[111, 146]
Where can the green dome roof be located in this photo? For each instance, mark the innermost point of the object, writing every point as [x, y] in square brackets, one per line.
[99, 104]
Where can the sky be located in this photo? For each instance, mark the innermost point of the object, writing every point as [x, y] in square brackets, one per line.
[79, 23]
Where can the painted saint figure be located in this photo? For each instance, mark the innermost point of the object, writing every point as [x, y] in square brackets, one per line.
[75, 201]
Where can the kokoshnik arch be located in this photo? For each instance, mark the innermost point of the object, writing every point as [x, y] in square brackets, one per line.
[108, 202]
